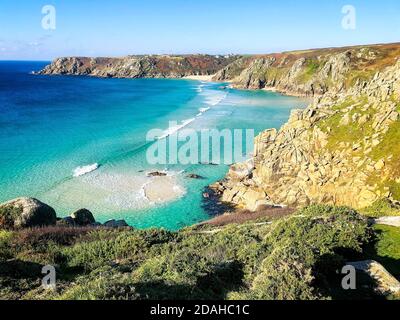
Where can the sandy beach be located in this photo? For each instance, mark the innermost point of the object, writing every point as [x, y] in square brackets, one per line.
[200, 78]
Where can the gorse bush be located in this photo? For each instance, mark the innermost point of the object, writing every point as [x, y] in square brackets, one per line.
[289, 258]
[306, 247]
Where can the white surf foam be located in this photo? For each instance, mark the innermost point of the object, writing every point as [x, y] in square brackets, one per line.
[81, 171]
[216, 99]
[176, 128]
[200, 88]
[202, 110]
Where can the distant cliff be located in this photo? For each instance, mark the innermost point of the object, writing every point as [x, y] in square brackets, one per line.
[148, 66]
[310, 72]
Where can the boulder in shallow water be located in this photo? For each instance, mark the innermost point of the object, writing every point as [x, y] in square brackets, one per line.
[116, 224]
[156, 174]
[194, 176]
[26, 213]
[83, 217]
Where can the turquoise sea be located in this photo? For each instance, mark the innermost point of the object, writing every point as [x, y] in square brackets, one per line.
[50, 126]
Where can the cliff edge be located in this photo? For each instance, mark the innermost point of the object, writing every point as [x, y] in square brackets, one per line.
[343, 149]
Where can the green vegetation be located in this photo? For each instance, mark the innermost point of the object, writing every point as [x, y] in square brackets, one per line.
[359, 75]
[350, 131]
[8, 216]
[290, 258]
[311, 68]
[382, 208]
[386, 248]
[389, 146]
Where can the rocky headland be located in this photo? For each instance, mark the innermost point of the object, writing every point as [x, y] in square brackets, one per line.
[310, 72]
[341, 150]
[145, 66]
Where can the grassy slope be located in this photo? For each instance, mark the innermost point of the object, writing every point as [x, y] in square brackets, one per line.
[295, 257]
[386, 248]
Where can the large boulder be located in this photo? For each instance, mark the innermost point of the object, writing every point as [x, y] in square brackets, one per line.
[83, 217]
[26, 213]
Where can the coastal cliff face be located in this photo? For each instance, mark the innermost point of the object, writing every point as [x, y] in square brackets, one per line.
[139, 66]
[343, 150]
[312, 72]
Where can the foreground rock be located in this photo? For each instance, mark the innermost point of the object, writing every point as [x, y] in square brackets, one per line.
[83, 217]
[26, 213]
[386, 283]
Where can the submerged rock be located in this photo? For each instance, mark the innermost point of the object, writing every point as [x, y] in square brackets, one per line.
[194, 176]
[157, 174]
[25, 213]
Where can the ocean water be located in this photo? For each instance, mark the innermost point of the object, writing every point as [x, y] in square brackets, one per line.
[80, 142]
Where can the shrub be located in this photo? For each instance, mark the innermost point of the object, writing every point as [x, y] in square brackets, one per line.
[8, 214]
[5, 248]
[108, 246]
[304, 247]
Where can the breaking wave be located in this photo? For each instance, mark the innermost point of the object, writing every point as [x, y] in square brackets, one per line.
[81, 171]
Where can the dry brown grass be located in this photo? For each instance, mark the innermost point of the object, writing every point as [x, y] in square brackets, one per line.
[57, 234]
[243, 216]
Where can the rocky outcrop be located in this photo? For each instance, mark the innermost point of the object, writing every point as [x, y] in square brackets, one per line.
[385, 282]
[341, 150]
[150, 66]
[311, 72]
[26, 213]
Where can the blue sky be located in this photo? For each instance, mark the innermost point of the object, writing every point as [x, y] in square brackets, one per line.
[121, 27]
